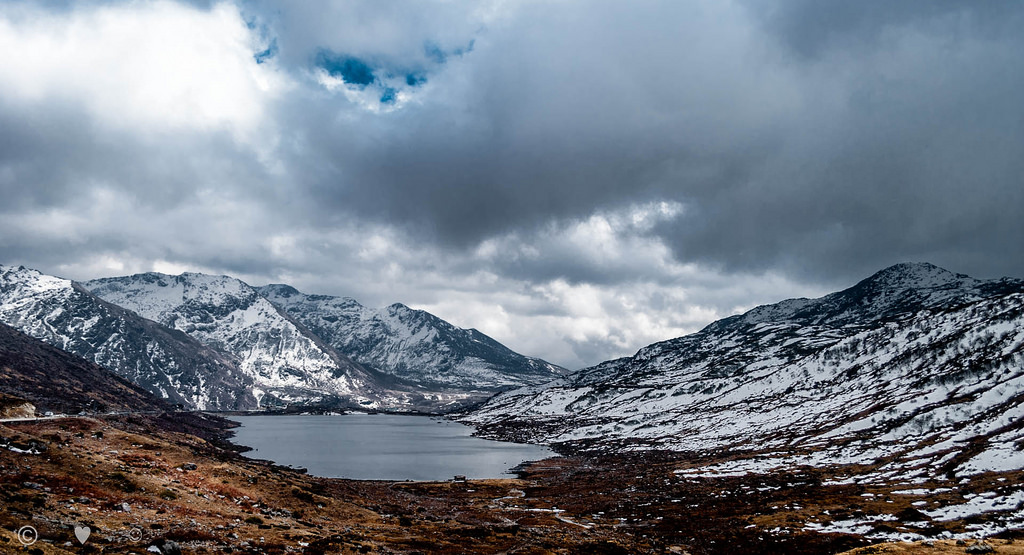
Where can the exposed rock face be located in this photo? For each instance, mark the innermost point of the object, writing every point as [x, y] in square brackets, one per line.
[169, 363]
[914, 365]
[13, 407]
[214, 342]
[412, 344]
[278, 355]
[39, 377]
[303, 349]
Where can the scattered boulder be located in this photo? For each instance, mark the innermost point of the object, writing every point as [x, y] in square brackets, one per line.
[980, 547]
[165, 548]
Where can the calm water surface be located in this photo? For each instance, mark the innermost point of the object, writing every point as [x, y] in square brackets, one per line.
[380, 446]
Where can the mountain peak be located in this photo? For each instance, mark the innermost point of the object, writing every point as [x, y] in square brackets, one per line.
[900, 289]
[911, 369]
[916, 275]
[278, 289]
[32, 279]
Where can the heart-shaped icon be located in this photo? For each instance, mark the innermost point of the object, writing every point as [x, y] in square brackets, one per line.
[82, 533]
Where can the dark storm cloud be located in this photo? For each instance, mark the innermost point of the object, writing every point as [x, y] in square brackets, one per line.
[824, 141]
[74, 190]
[490, 157]
[915, 155]
[812, 28]
[53, 158]
[555, 124]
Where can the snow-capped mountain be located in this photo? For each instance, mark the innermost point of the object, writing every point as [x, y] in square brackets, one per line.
[168, 363]
[278, 354]
[412, 344]
[916, 370]
[56, 380]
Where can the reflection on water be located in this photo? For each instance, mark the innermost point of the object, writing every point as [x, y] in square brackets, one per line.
[380, 446]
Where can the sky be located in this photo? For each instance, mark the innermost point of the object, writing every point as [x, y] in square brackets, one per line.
[575, 178]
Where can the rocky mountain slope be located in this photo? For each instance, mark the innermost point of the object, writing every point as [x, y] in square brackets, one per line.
[284, 360]
[214, 342]
[910, 382]
[169, 363]
[914, 365]
[412, 344]
[55, 380]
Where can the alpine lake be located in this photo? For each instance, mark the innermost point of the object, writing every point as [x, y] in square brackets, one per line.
[380, 446]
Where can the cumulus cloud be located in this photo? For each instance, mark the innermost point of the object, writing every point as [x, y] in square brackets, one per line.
[147, 68]
[577, 179]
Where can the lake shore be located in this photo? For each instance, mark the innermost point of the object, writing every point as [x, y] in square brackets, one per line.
[381, 447]
[175, 478]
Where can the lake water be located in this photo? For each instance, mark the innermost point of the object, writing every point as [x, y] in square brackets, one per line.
[380, 446]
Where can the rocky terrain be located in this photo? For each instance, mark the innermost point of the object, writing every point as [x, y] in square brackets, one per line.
[412, 344]
[282, 359]
[313, 349]
[158, 480]
[15, 407]
[164, 482]
[168, 363]
[59, 382]
[911, 377]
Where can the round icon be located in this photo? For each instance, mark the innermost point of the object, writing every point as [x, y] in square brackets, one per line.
[27, 535]
[135, 534]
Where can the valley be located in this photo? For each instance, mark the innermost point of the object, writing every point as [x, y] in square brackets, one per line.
[511, 277]
[884, 416]
[174, 478]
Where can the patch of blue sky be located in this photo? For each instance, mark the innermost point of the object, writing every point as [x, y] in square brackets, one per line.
[389, 95]
[349, 68]
[269, 52]
[265, 37]
[415, 78]
[387, 79]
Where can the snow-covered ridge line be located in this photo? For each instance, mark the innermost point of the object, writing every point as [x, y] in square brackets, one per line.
[215, 342]
[411, 344]
[284, 361]
[915, 365]
[300, 349]
[171, 365]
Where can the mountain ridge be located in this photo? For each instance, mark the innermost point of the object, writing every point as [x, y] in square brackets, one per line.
[284, 359]
[296, 347]
[171, 364]
[54, 379]
[232, 348]
[886, 369]
[410, 343]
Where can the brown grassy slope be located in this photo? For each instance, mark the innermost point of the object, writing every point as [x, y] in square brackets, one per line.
[941, 547]
[91, 468]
